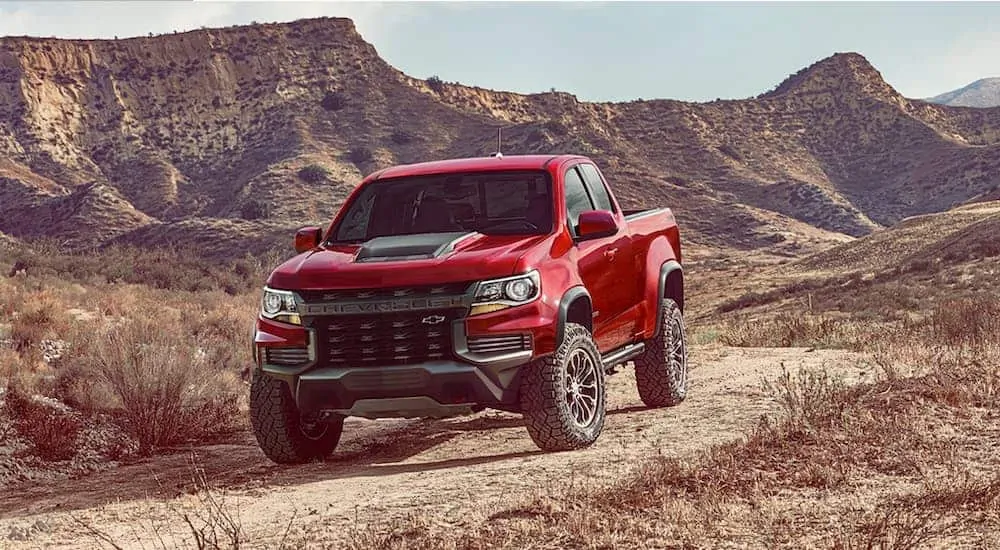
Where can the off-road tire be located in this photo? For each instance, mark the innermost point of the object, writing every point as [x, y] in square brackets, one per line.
[544, 395]
[661, 370]
[278, 425]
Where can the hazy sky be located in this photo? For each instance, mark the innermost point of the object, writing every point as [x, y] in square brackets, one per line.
[598, 51]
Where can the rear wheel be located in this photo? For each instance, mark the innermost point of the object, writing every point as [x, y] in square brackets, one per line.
[661, 370]
[285, 436]
[563, 395]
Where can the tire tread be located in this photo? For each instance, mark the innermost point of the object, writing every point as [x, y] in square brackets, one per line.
[652, 368]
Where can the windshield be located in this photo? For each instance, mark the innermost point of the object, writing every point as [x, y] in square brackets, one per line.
[493, 203]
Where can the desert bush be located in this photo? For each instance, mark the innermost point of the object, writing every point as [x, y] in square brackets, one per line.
[50, 430]
[435, 83]
[556, 127]
[361, 154]
[401, 137]
[334, 101]
[255, 209]
[730, 151]
[313, 173]
[163, 385]
[40, 318]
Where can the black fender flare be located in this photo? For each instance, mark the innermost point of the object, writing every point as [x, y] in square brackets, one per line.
[668, 267]
[565, 302]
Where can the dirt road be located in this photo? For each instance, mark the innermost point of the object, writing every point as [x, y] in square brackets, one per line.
[451, 471]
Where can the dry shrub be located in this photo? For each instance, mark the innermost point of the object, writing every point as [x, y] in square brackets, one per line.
[40, 318]
[166, 390]
[10, 363]
[797, 330]
[222, 331]
[921, 518]
[51, 431]
[966, 323]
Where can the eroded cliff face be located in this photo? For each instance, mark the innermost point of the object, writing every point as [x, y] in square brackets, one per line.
[194, 132]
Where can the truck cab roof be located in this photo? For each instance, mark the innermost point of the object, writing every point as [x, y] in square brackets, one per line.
[475, 164]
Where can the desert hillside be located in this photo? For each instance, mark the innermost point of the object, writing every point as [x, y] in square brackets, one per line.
[893, 275]
[238, 135]
[984, 92]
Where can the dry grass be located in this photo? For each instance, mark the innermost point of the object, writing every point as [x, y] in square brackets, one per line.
[164, 364]
[157, 267]
[842, 466]
[802, 330]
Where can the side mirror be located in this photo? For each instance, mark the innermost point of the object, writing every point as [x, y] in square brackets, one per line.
[307, 238]
[594, 224]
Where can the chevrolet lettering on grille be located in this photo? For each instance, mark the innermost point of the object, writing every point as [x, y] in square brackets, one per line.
[412, 304]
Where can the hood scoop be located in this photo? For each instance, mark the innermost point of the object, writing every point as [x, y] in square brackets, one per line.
[409, 247]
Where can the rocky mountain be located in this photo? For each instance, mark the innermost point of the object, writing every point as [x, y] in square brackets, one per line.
[984, 92]
[235, 136]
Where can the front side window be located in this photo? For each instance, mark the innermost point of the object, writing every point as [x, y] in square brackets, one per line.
[577, 199]
[597, 188]
[492, 203]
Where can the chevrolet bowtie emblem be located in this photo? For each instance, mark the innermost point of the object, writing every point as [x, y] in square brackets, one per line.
[432, 319]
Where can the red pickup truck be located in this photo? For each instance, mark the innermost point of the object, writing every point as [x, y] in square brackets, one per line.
[444, 288]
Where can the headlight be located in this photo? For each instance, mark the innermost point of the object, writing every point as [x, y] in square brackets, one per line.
[280, 305]
[498, 294]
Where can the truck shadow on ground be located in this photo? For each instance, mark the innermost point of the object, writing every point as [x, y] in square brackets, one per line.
[375, 449]
[368, 449]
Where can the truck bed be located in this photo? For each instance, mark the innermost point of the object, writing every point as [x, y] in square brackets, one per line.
[633, 214]
[646, 225]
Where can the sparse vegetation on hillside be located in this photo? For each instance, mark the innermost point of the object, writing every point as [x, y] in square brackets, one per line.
[314, 173]
[163, 268]
[361, 154]
[255, 209]
[789, 172]
[435, 83]
[334, 101]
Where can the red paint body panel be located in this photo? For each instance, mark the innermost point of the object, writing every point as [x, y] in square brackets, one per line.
[276, 334]
[620, 272]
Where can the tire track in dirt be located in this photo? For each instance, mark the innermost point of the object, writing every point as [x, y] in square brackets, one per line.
[455, 470]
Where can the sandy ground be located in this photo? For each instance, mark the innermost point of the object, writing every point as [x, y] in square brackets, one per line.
[451, 471]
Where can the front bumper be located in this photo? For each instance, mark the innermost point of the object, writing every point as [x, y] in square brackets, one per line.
[468, 380]
[437, 389]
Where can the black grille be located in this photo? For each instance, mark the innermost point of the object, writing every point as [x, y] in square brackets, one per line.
[499, 344]
[386, 339]
[447, 289]
[287, 356]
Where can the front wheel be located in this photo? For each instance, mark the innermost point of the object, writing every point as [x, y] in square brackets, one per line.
[661, 370]
[285, 436]
[563, 395]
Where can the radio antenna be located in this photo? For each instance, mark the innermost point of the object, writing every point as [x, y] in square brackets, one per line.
[498, 154]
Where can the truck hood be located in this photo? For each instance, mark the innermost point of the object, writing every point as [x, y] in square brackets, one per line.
[405, 260]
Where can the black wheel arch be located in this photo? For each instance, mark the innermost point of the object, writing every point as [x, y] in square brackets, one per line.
[575, 306]
[671, 285]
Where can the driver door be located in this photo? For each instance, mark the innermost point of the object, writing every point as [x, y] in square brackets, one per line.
[595, 260]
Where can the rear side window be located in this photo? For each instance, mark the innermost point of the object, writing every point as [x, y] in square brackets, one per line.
[577, 199]
[597, 188]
